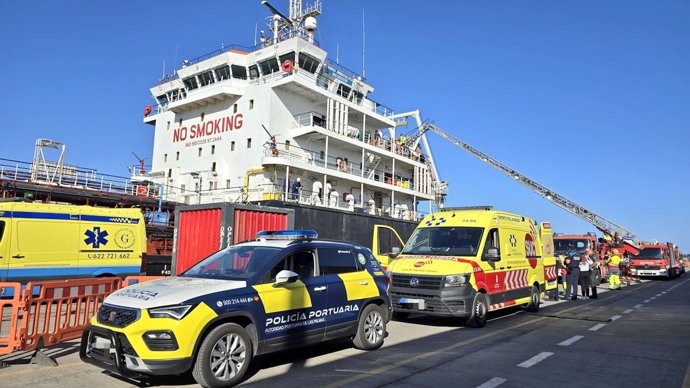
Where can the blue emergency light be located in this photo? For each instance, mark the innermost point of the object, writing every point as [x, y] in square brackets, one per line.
[287, 234]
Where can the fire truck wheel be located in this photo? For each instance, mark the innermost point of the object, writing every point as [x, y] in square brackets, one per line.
[371, 329]
[400, 315]
[224, 356]
[480, 307]
[533, 305]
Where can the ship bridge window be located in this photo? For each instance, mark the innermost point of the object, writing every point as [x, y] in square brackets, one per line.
[223, 73]
[269, 66]
[206, 78]
[357, 97]
[190, 83]
[239, 72]
[343, 90]
[308, 63]
[162, 100]
[253, 72]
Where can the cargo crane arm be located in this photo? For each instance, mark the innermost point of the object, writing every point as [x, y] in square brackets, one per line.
[607, 227]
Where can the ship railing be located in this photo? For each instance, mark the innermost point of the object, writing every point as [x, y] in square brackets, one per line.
[343, 165]
[65, 176]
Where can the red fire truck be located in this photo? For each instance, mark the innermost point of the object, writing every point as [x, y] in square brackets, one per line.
[656, 260]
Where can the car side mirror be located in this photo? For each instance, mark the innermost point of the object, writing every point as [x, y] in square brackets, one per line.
[284, 277]
[395, 251]
[491, 254]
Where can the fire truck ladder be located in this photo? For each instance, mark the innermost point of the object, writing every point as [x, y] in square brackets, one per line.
[606, 226]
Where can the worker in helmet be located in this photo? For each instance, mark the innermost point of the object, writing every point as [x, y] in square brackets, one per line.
[613, 264]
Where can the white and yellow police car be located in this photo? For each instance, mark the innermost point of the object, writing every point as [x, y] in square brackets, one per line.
[284, 290]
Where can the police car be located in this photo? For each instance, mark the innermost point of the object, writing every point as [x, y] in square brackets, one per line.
[284, 290]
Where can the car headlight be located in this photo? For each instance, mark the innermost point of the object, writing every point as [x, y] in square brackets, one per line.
[175, 312]
[455, 280]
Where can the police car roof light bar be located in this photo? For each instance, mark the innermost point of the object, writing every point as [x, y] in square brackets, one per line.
[287, 234]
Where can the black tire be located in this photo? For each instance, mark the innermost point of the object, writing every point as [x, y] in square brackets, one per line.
[480, 309]
[230, 344]
[371, 329]
[400, 315]
[534, 299]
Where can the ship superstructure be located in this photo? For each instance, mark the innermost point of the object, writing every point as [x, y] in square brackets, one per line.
[246, 124]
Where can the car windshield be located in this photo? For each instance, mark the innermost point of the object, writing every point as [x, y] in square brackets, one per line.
[650, 253]
[569, 245]
[234, 263]
[445, 241]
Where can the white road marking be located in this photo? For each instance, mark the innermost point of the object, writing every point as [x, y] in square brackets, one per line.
[628, 311]
[495, 382]
[645, 301]
[613, 318]
[637, 306]
[572, 340]
[657, 295]
[597, 327]
[535, 360]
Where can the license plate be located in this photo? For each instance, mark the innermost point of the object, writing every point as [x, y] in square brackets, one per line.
[419, 302]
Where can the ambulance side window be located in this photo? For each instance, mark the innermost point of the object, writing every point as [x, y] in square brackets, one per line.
[492, 241]
[2, 229]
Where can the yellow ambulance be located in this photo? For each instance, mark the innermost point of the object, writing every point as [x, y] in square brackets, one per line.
[465, 262]
[41, 241]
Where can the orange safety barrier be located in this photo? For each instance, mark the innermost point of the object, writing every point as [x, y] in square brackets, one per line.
[47, 313]
[9, 315]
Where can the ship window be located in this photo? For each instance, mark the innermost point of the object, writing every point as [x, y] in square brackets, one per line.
[343, 90]
[223, 73]
[213, 166]
[177, 155]
[287, 144]
[213, 151]
[232, 145]
[199, 151]
[249, 142]
[180, 121]
[322, 155]
[357, 97]
[168, 125]
[162, 100]
[202, 116]
[269, 66]
[165, 158]
[190, 83]
[239, 72]
[169, 172]
[308, 63]
[174, 95]
[210, 185]
[287, 57]
[234, 108]
[227, 183]
[206, 78]
[253, 72]
[251, 104]
[182, 187]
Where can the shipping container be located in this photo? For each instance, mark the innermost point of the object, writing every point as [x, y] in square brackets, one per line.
[203, 229]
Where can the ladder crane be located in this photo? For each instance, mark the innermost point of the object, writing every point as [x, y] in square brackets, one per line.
[607, 227]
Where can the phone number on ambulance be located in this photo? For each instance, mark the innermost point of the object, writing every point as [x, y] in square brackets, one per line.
[108, 255]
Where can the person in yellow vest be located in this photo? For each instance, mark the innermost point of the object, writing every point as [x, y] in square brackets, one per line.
[614, 271]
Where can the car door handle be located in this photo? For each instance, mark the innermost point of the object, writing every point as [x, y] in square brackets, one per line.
[18, 256]
[322, 288]
[501, 267]
[363, 282]
[509, 267]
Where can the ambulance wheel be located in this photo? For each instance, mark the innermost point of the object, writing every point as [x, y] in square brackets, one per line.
[480, 307]
[371, 329]
[224, 356]
[534, 299]
[400, 315]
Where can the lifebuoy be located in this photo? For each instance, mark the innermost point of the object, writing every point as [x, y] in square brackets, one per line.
[287, 66]
[147, 110]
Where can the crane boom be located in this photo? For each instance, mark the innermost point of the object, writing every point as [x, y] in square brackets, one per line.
[606, 226]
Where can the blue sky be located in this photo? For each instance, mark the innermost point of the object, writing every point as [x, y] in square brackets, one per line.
[589, 98]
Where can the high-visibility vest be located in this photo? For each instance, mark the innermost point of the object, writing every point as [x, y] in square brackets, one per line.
[614, 261]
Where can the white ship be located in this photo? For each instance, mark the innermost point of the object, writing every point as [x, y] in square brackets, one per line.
[246, 124]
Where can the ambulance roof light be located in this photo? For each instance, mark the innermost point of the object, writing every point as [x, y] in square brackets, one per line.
[287, 234]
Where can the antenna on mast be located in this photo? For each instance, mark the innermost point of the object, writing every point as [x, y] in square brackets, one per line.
[364, 70]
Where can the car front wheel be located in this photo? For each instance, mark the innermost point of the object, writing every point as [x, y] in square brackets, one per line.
[371, 329]
[224, 356]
